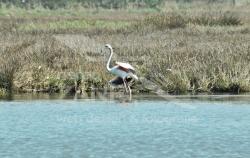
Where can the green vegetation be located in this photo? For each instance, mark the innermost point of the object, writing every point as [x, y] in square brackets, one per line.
[107, 4]
[206, 46]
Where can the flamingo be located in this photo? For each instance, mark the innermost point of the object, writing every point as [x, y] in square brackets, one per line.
[124, 72]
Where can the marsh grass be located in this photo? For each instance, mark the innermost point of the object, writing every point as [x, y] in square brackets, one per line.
[207, 51]
[71, 25]
[174, 20]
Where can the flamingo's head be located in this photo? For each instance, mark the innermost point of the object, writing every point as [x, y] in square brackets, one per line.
[108, 46]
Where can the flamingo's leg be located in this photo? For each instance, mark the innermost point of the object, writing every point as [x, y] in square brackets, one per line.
[129, 89]
[125, 85]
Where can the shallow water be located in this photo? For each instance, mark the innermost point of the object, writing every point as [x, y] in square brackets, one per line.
[148, 128]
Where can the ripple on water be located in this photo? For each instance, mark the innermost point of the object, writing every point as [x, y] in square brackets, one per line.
[174, 129]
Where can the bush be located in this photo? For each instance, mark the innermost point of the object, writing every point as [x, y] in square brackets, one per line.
[10, 63]
[162, 22]
[222, 19]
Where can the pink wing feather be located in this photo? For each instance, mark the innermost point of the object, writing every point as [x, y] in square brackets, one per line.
[125, 66]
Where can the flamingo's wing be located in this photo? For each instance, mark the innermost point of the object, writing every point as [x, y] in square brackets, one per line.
[126, 67]
[118, 81]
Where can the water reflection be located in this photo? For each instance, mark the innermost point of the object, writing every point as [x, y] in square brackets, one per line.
[120, 97]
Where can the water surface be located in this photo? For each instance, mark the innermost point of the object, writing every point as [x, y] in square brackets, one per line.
[94, 128]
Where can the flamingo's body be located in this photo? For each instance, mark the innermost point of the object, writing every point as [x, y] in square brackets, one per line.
[124, 72]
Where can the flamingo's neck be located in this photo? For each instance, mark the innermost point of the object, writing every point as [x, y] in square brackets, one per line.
[108, 63]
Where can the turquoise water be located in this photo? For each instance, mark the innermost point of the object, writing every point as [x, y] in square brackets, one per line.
[172, 128]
